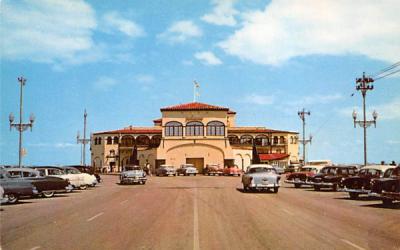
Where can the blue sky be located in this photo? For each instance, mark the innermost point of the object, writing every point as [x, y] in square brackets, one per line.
[123, 60]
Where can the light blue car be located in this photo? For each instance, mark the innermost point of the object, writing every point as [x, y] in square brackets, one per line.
[261, 177]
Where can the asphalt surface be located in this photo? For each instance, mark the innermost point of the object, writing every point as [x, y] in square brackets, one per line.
[202, 212]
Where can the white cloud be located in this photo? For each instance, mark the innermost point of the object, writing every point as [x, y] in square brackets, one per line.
[287, 29]
[222, 14]
[52, 145]
[392, 142]
[386, 111]
[146, 79]
[46, 31]
[105, 83]
[114, 20]
[180, 31]
[207, 57]
[259, 99]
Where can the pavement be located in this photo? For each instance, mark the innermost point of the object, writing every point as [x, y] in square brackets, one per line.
[202, 212]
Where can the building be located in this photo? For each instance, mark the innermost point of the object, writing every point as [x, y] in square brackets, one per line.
[195, 133]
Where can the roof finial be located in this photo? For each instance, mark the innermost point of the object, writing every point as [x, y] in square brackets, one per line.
[196, 92]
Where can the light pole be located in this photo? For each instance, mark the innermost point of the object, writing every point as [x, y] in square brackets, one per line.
[302, 114]
[83, 140]
[362, 84]
[21, 127]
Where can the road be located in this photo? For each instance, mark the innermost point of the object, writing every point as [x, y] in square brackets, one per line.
[202, 212]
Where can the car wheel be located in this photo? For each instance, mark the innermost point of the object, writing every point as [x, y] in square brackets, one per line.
[143, 182]
[334, 187]
[12, 198]
[353, 195]
[276, 189]
[297, 185]
[317, 188]
[387, 202]
[48, 194]
[245, 188]
[194, 174]
[82, 187]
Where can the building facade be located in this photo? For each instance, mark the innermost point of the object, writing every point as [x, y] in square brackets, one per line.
[194, 133]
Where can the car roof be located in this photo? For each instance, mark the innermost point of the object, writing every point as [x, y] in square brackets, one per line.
[165, 166]
[260, 166]
[382, 168]
[313, 166]
[20, 169]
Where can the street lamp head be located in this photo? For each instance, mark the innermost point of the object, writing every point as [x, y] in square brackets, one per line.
[354, 115]
[375, 115]
[11, 117]
[32, 118]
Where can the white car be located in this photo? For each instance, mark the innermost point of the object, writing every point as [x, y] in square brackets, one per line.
[76, 180]
[88, 180]
[261, 176]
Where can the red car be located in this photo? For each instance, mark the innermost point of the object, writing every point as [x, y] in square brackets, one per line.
[302, 177]
[232, 170]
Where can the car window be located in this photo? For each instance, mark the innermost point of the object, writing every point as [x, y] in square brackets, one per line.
[351, 171]
[55, 171]
[261, 170]
[14, 174]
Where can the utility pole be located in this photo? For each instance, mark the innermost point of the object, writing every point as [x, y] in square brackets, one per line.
[362, 84]
[83, 141]
[21, 127]
[302, 114]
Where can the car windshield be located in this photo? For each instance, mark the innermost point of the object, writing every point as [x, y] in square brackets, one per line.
[261, 170]
[328, 171]
[72, 171]
[55, 171]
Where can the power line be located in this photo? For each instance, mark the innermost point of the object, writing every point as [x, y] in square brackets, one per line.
[388, 74]
[395, 65]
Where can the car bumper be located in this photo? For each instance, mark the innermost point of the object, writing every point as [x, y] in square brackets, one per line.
[391, 195]
[323, 184]
[133, 179]
[263, 185]
[299, 182]
[357, 191]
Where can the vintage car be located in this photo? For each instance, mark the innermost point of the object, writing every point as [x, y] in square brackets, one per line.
[166, 170]
[87, 170]
[88, 179]
[303, 176]
[187, 169]
[213, 169]
[232, 170]
[361, 183]
[76, 180]
[47, 186]
[330, 176]
[132, 174]
[15, 188]
[261, 177]
[388, 187]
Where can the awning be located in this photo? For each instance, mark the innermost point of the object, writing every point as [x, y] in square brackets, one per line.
[269, 157]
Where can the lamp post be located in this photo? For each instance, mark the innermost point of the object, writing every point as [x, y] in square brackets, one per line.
[302, 114]
[363, 84]
[83, 140]
[21, 127]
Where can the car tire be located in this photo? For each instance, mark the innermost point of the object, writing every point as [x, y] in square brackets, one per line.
[387, 202]
[334, 187]
[297, 185]
[276, 189]
[48, 194]
[317, 188]
[83, 187]
[12, 198]
[194, 174]
[245, 188]
[353, 196]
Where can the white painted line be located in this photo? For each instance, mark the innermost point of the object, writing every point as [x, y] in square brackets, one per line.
[122, 202]
[34, 248]
[94, 217]
[352, 244]
[196, 241]
[287, 211]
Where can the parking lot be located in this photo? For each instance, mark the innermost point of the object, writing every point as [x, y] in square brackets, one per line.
[202, 212]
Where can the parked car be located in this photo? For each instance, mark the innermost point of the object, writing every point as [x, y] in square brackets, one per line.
[46, 186]
[76, 180]
[361, 183]
[330, 176]
[278, 169]
[88, 180]
[261, 176]
[15, 188]
[166, 170]
[213, 169]
[87, 170]
[133, 174]
[232, 170]
[388, 187]
[303, 176]
[187, 169]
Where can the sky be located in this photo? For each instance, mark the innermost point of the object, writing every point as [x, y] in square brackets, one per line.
[124, 60]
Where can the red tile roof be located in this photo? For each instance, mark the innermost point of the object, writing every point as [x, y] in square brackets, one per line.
[193, 106]
[276, 156]
[259, 130]
[133, 130]
[157, 120]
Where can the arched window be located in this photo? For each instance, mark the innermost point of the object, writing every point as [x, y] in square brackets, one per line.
[142, 140]
[215, 128]
[233, 139]
[275, 139]
[127, 141]
[95, 141]
[278, 151]
[116, 139]
[99, 140]
[173, 129]
[194, 129]
[282, 140]
[155, 141]
[291, 140]
[262, 140]
[109, 140]
[246, 140]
